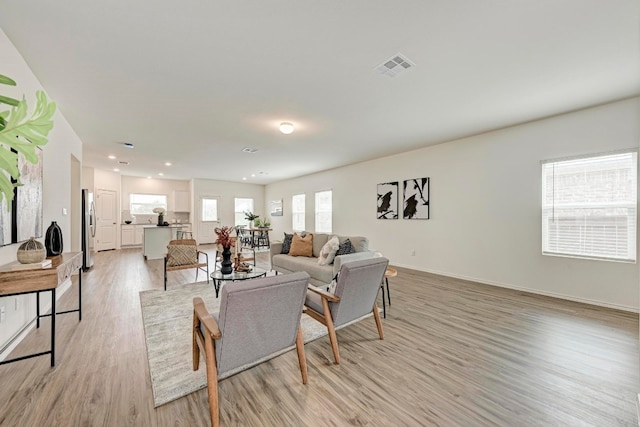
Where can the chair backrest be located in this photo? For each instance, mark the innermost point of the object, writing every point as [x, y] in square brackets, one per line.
[258, 318]
[182, 252]
[358, 286]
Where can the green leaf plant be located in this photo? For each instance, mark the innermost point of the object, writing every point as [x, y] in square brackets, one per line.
[21, 134]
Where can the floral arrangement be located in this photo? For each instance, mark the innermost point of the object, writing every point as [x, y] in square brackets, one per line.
[250, 216]
[224, 236]
[159, 211]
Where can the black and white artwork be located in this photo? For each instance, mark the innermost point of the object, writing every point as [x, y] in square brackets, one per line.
[388, 200]
[415, 204]
[28, 201]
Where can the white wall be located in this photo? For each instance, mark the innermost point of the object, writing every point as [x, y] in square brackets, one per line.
[485, 206]
[63, 144]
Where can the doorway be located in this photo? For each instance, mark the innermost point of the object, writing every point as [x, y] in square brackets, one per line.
[106, 220]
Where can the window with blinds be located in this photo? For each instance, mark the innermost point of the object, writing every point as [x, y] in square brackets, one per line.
[589, 207]
[298, 212]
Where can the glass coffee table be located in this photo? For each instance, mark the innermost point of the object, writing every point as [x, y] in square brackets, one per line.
[218, 277]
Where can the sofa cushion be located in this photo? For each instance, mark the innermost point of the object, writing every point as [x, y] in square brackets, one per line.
[302, 246]
[286, 243]
[345, 248]
[319, 240]
[320, 273]
[328, 252]
[359, 243]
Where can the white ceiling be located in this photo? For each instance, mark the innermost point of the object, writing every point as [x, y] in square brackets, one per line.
[194, 82]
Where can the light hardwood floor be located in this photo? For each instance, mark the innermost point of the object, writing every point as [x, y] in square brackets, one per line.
[455, 353]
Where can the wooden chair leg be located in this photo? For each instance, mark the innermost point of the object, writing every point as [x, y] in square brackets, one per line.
[332, 332]
[195, 346]
[302, 360]
[212, 381]
[376, 316]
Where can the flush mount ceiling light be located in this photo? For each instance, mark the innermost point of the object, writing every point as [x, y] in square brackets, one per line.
[286, 128]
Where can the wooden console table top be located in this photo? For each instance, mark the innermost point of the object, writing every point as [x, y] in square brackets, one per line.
[23, 281]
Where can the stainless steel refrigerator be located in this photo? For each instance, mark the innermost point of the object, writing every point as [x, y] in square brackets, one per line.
[88, 228]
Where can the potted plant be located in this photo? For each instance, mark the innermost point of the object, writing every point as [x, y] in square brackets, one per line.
[250, 216]
[257, 223]
[225, 240]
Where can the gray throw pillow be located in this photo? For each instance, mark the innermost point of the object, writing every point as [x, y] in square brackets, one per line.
[345, 248]
[286, 243]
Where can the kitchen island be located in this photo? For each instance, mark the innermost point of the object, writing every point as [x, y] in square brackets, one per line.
[156, 239]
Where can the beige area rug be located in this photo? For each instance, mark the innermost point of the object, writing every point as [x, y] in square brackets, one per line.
[168, 318]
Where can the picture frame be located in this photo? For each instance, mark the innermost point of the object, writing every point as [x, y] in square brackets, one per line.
[387, 200]
[276, 207]
[415, 198]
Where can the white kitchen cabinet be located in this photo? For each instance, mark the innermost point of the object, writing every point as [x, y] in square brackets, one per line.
[139, 235]
[128, 235]
[132, 235]
[182, 202]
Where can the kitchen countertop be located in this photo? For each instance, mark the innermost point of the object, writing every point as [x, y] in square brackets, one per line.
[163, 226]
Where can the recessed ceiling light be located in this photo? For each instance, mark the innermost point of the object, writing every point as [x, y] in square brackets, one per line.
[286, 128]
[168, 164]
[160, 173]
[253, 175]
[148, 177]
[116, 170]
[112, 157]
[244, 178]
[128, 144]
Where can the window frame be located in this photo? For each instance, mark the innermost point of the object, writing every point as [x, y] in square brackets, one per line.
[320, 212]
[298, 214]
[150, 205]
[203, 199]
[590, 223]
[238, 215]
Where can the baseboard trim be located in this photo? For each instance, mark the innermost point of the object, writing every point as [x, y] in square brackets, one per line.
[524, 289]
[22, 334]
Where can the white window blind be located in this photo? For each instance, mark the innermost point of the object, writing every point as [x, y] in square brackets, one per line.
[589, 207]
[324, 211]
[298, 212]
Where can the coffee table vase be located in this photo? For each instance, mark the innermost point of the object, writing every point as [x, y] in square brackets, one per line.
[227, 265]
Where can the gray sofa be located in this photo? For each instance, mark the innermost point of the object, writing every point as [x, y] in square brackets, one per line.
[320, 275]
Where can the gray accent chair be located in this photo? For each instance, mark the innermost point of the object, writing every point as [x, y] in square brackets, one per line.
[258, 319]
[355, 296]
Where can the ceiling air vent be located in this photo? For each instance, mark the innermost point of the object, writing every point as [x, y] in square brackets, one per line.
[249, 150]
[122, 162]
[395, 65]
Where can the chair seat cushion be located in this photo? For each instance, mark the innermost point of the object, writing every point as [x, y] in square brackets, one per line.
[314, 301]
[181, 255]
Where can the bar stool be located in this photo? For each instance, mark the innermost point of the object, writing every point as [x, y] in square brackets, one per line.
[391, 272]
[184, 235]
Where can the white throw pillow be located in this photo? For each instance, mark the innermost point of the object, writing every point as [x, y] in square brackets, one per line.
[328, 251]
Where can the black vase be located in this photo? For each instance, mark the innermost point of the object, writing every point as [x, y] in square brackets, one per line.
[160, 219]
[227, 265]
[53, 239]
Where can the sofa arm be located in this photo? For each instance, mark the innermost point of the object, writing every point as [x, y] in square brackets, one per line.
[276, 248]
[357, 256]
